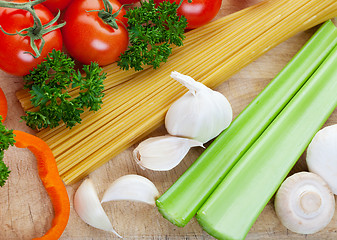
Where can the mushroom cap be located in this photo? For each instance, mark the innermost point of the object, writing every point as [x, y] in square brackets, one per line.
[304, 203]
[322, 155]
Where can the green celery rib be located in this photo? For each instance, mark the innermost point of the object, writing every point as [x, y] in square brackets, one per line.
[236, 203]
[181, 202]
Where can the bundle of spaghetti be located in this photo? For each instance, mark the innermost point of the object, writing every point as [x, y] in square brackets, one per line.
[135, 107]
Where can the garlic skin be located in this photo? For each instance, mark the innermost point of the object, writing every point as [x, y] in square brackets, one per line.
[133, 188]
[304, 203]
[89, 208]
[322, 154]
[163, 153]
[200, 114]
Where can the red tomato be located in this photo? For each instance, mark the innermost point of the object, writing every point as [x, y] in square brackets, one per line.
[128, 1]
[88, 39]
[13, 58]
[198, 12]
[56, 5]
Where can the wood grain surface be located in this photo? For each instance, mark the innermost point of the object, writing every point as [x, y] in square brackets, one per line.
[25, 209]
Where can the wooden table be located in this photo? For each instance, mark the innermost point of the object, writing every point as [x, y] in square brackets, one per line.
[25, 209]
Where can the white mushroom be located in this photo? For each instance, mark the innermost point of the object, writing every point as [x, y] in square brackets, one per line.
[304, 203]
[322, 156]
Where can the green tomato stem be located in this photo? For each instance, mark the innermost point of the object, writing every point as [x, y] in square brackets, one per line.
[107, 16]
[28, 6]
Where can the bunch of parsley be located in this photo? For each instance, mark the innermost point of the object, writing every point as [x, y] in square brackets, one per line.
[152, 30]
[49, 85]
[6, 140]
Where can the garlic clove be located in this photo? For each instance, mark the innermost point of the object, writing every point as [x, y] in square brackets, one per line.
[89, 208]
[304, 203]
[200, 114]
[322, 154]
[163, 153]
[132, 187]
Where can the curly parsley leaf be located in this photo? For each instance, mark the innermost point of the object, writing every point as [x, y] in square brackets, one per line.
[50, 84]
[4, 172]
[152, 31]
[6, 140]
[91, 93]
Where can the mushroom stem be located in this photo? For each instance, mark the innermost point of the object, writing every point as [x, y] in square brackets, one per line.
[304, 203]
[310, 203]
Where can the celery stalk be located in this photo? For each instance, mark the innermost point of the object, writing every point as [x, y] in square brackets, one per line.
[181, 202]
[234, 206]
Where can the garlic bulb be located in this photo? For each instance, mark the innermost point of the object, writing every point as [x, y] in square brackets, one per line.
[322, 155]
[163, 153]
[132, 187]
[304, 203]
[200, 114]
[89, 208]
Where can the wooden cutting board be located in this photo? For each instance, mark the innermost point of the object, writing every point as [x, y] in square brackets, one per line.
[25, 209]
